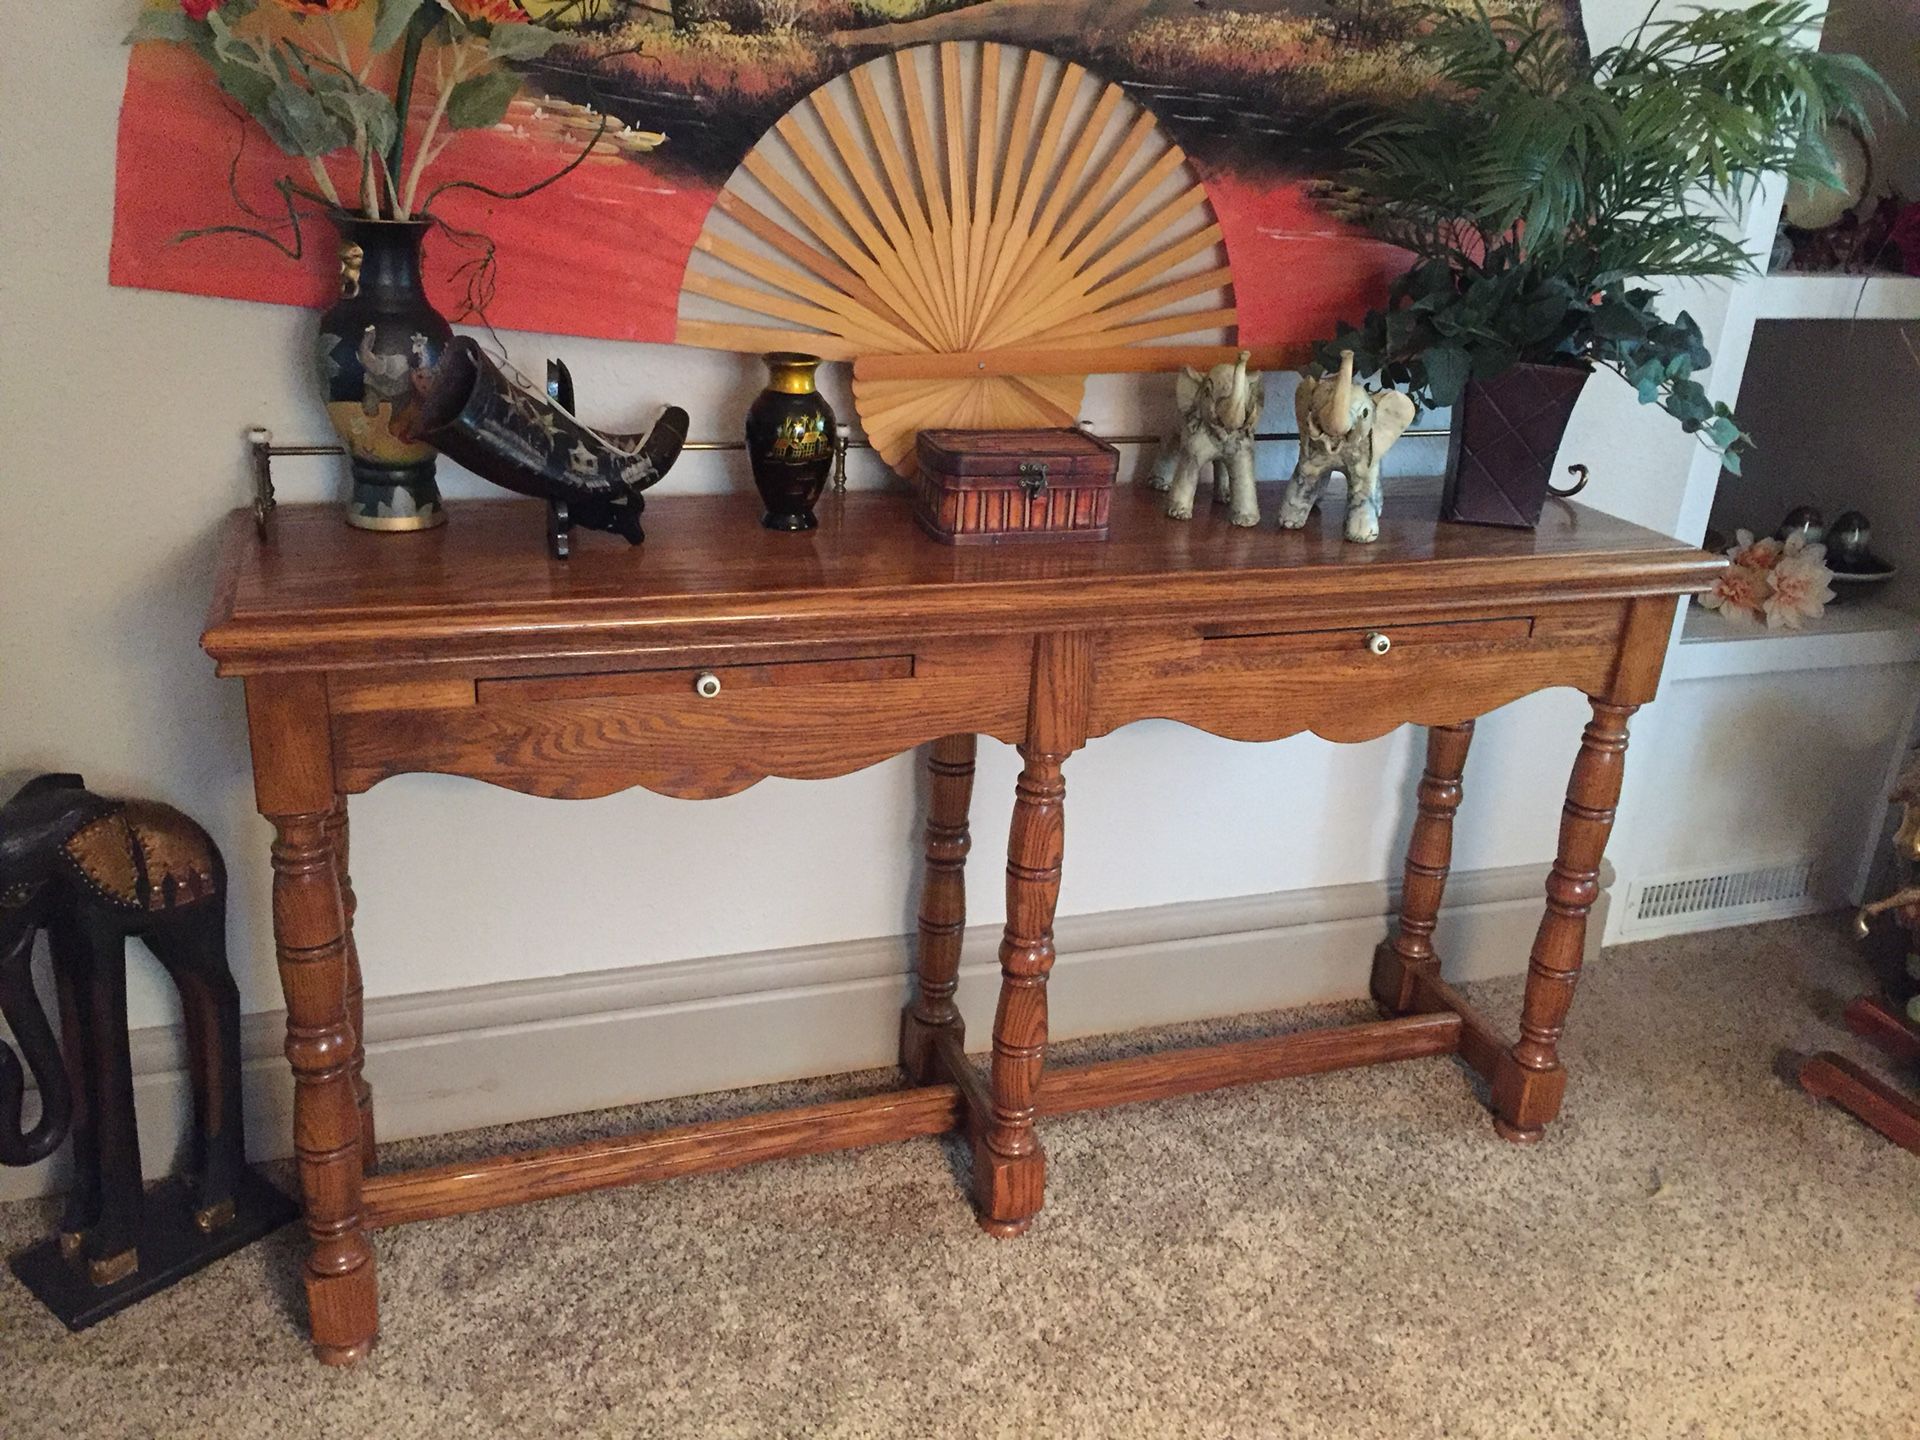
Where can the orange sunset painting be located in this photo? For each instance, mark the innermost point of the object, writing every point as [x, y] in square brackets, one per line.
[678, 92]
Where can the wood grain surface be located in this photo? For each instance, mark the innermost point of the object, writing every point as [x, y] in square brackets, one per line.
[719, 654]
[321, 596]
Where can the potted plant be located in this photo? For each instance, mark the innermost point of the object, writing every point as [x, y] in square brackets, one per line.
[364, 97]
[1537, 182]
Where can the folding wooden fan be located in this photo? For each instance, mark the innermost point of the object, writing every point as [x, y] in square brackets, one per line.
[978, 269]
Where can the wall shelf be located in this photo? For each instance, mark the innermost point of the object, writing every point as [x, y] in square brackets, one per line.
[1840, 297]
[1862, 633]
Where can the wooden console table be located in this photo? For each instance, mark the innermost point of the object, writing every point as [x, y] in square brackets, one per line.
[720, 654]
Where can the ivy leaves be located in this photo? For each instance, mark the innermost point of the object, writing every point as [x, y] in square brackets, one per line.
[1441, 330]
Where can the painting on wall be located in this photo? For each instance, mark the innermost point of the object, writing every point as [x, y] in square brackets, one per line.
[1249, 89]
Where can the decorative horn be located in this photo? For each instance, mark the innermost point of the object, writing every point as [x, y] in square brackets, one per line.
[467, 409]
[1337, 417]
[21, 1006]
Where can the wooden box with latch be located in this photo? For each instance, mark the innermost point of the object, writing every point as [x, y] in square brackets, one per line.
[988, 487]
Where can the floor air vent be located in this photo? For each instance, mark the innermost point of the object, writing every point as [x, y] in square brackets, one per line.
[1673, 904]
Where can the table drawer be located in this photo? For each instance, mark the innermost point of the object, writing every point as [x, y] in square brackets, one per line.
[1262, 682]
[707, 682]
[706, 724]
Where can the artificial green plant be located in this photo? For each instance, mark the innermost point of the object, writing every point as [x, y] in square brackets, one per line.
[1539, 181]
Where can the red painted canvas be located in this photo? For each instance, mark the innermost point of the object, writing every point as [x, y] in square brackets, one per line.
[1247, 87]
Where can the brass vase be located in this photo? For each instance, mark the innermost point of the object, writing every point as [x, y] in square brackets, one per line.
[373, 340]
[790, 431]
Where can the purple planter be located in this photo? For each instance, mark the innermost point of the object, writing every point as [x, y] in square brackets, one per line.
[1506, 436]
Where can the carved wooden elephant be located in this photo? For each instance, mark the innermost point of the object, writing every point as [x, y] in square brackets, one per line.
[1220, 415]
[92, 872]
[1348, 428]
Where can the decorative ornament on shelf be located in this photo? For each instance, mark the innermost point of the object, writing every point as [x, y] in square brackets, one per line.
[1349, 428]
[1220, 415]
[333, 84]
[1850, 552]
[469, 409]
[791, 442]
[1781, 583]
[1839, 228]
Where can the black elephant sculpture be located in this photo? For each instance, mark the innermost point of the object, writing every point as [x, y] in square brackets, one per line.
[91, 873]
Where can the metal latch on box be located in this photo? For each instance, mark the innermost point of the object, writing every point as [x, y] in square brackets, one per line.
[1033, 478]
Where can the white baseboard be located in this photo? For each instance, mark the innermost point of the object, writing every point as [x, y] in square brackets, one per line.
[523, 1050]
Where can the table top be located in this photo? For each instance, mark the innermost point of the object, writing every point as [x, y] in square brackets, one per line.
[318, 594]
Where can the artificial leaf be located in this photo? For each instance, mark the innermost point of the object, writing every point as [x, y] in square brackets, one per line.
[308, 128]
[481, 101]
[253, 90]
[521, 42]
[1493, 359]
[367, 111]
[1541, 319]
[1448, 368]
[1619, 320]
[392, 23]
[1687, 402]
[171, 25]
[226, 44]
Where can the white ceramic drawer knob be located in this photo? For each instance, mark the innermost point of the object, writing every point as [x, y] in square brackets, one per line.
[707, 685]
[1377, 643]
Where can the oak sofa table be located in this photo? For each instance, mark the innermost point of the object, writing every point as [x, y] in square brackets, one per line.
[719, 654]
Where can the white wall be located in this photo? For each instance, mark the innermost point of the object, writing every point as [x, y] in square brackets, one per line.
[123, 412]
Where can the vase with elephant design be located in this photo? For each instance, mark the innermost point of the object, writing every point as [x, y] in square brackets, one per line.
[790, 442]
[373, 340]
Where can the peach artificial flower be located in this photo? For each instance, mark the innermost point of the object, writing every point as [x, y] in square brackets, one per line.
[1739, 594]
[319, 7]
[1801, 587]
[1755, 554]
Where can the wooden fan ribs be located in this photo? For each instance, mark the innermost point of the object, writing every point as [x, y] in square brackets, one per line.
[956, 240]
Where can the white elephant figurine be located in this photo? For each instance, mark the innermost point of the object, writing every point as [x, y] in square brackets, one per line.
[1348, 428]
[1220, 414]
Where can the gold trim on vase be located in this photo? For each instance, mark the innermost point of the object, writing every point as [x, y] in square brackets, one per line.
[428, 520]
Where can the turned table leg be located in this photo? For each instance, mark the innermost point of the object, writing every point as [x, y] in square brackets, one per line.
[309, 924]
[943, 909]
[1409, 954]
[1009, 1166]
[338, 837]
[1529, 1081]
[294, 788]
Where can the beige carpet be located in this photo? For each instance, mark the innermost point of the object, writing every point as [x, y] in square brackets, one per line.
[1697, 1250]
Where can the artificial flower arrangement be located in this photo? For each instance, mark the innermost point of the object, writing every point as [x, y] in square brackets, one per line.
[1781, 583]
[365, 97]
[384, 84]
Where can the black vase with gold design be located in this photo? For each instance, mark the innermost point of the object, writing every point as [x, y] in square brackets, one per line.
[373, 340]
[790, 431]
